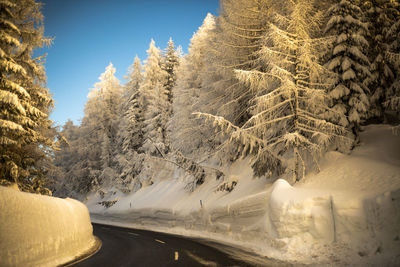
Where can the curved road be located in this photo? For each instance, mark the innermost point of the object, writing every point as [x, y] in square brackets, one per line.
[132, 247]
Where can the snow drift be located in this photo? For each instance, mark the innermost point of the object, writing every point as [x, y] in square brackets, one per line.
[38, 230]
[348, 213]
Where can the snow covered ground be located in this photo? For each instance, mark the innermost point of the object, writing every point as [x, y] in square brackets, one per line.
[38, 230]
[348, 213]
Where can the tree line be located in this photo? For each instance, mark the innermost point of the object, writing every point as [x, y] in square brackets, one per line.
[278, 82]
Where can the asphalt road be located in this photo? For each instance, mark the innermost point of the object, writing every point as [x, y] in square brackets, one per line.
[131, 247]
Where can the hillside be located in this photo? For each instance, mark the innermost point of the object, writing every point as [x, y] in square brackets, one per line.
[348, 213]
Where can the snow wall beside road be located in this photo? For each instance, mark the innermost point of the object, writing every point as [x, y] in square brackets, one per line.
[38, 230]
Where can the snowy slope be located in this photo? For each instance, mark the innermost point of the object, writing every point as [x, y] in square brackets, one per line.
[349, 213]
[38, 230]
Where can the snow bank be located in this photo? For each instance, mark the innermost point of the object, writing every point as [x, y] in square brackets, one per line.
[349, 213]
[38, 230]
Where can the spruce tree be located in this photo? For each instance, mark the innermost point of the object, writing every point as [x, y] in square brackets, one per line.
[26, 138]
[154, 99]
[392, 102]
[381, 16]
[131, 133]
[109, 91]
[132, 116]
[170, 63]
[189, 134]
[348, 61]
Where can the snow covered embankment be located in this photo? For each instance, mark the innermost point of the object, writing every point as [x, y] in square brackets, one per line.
[38, 230]
[348, 213]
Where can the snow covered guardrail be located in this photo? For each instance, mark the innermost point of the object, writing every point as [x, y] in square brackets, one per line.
[38, 230]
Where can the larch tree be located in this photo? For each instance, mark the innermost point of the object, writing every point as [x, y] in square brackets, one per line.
[347, 59]
[236, 38]
[286, 124]
[26, 135]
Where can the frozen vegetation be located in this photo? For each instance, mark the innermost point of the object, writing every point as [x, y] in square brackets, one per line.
[40, 230]
[278, 131]
[348, 213]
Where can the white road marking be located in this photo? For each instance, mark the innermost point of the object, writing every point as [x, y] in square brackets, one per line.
[133, 234]
[176, 255]
[159, 241]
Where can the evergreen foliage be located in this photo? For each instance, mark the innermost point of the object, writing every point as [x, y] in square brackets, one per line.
[275, 87]
[348, 60]
[290, 94]
[154, 99]
[188, 134]
[26, 134]
[170, 63]
[381, 16]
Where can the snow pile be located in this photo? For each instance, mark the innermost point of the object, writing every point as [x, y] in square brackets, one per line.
[38, 230]
[348, 213]
[297, 212]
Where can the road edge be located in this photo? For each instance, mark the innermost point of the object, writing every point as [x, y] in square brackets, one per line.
[246, 255]
[87, 254]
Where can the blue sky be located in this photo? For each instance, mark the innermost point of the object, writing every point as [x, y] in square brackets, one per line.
[89, 34]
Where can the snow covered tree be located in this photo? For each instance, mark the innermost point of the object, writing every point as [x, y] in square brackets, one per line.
[154, 97]
[170, 63]
[290, 98]
[130, 129]
[132, 117]
[65, 159]
[89, 145]
[392, 102]
[348, 60]
[189, 134]
[381, 16]
[109, 93]
[97, 143]
[134, 78]
[26, 138]
[235, 40]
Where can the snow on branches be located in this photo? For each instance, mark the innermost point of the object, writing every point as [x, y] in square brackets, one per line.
[289, 93]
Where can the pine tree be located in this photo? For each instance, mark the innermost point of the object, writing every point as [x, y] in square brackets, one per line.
[153, 96]
[26, 138]
[348, 60]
